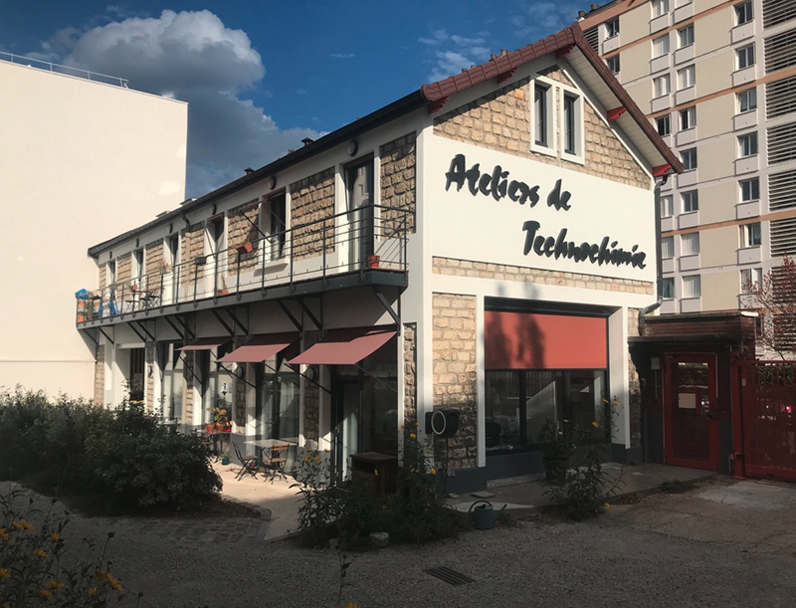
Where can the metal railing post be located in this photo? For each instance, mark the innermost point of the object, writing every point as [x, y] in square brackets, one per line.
[237, 278]
[195, 278]
[291, 261]
[323, 241]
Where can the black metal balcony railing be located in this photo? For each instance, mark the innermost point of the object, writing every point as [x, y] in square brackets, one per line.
[369, 238]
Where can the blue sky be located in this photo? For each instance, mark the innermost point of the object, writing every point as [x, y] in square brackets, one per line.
[260, 76]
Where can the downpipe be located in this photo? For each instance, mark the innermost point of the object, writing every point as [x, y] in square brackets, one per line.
[658, 261]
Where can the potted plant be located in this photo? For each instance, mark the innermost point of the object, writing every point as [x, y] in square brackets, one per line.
[557, 450]
[225, 458]
[243, 248]
[220, 422]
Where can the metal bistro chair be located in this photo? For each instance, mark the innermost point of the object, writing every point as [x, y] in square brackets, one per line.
[275, 461]
[249, 464]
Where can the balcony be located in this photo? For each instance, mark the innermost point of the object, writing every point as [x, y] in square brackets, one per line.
[351, 249]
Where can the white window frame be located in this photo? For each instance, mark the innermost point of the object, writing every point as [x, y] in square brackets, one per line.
[138, 268]
[745, 57]
[659, 8]
[578, 156]
[689, 159]
[694, 204]
[667, 205]
[692, 286]
[614, 68]
[688, 33]
[750, 277]
[658, 90]
[271, 248]
[686, 77]
[688, 118]
[667, 120]
[689, 244]
[751, 188]
[667, 248]
[612, 28]
[551, 126]
[748, 145]
[660, 46]
[747, 98]
[744, 13]
[667, 282]
[751, 235]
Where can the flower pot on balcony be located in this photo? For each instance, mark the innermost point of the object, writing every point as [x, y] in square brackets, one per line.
[210, 428]
[244, 248]
[373, 261]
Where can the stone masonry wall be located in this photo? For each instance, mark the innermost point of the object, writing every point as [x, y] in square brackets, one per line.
[154, 265]
[454, 341]
[192, 247]
[502, 272]
[501, 121]
[410, 373]
[242, 228]
[398, 186]
[103, 276]
[312, 200]
[634, 386]
[124, 268]
[99, 376]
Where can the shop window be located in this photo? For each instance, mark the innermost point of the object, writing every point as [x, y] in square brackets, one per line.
[688, 118]
[664, 125]
[660, 46]
[170, 366]
[685, 36]
[612, 28]
[750, 189]
[747, 145]
[686, 78]
[659, 8]
[745, 57]
[747, 100]
[272, 224]
[689, 158]
[667, 289]
[613, 64]
[690, 201]
[520, 402]
[751, 235]
[661, 85]
[667, 247]
[278, 406]
[743, 12]
[689, 244]
[692, 286]
[667, 205]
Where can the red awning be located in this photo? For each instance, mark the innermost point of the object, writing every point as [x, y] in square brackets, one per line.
[205, 344]
[260, 348]
[345, 346]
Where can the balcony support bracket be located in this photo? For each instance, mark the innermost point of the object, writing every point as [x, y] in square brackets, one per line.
[179, 333]
[396, 316]
[289, 315]
[230, 330]
[308, 312]
[131, 325]
[107, 337]
[143, 327]
[237, 321]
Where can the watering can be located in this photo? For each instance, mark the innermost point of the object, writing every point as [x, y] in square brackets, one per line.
[484, 515]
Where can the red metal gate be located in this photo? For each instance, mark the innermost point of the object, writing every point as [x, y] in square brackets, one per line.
[769, 419]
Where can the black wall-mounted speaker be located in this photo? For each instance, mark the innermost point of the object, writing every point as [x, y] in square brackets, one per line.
[443, 422]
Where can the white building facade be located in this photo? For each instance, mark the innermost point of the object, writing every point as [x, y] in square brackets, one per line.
[484, 244]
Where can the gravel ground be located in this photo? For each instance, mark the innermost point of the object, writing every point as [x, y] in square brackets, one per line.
[635, 555]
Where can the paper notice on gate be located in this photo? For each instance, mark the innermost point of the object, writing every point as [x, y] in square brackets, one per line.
[686, 401]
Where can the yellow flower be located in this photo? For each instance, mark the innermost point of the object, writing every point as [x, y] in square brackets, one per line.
[99, 573]
[607, 506]
[23, 525]
[415, 424]
[317, 459]
[594, 424]
[616, 403]
[44, 594]
[41, 554]
[412, 435]
[116, 585]
[93, 592]
[606, 402]
[55, 536]
[306, 459]
[402, 427]
[433, 471]
[4, 535]
[565, 420]
[5, 573]
[54, 584]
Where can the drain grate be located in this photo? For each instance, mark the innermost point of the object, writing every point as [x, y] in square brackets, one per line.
[450, 576]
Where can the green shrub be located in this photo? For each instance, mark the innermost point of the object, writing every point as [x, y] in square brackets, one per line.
[122, 458]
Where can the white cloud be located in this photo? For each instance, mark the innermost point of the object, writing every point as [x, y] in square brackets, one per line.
[462, 52]
[301, 92]
[342, 55]
[194, 57]
[541, 19]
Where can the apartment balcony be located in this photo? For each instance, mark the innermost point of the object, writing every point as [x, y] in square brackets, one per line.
[366, 247]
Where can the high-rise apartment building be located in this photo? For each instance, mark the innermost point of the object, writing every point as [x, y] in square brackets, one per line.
[718, 81]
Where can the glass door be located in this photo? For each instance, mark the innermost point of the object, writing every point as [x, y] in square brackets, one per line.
[359, 205]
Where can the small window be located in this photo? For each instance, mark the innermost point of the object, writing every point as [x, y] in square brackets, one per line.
[751, 235]
[661, 85]
[664, 125]
[138, 263]
[172, 251]
[688, 118]
[692, 286]
[570, 122]
[685, 36]
[613, 64]
[750, 189]
[660, 46]
[745, 57]
[686, 77]
[690, 201]
[541, 114]
[747, 144]
[667, 289]
[689, 158]
[751, 278]
[667, 206]
[272, 226]
[667, 247]
[659, 7]
[689, 244]
[747, 100]
[111, 278]
[612, 28]
[743, 12]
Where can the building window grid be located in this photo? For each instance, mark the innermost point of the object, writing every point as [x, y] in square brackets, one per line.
[750, 279]
[686, 78]
[751, 235]
[541, 114]
[667, 289]
[659, 8]
[667, 247]
[664, 125]
[747, 100]
[689, 244]
[613, 64]
[688, 118]
[750, 189]
[689, 158]
[690, 201]
[747, 145]
[745, 57]
[667, 206]
[692, 286]
[660, 46]
[743, 12]
[612, 28]
[685, 36]
[661, 85]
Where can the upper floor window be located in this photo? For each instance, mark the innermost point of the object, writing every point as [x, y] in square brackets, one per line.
[750, 278]
[660, 46]
[667, 205]
[215, 234]
[542, 116]
[692, 286]
[570, 123]
[660, 7]
[667, 288]
[111, 278]
[688, 118]
[172, 252]
[747, 144]
[750, 189]
[747, 100]
[661, 85]
[689, 244]
[689, 158]
[667, 247]
[272, 225]
[664, 125]
[686, 77]
[743, 12]
[745, 57]
[613, 64]
[138, 263]
[751, 235]
[690, 201]
[685, 36]
[612, 28]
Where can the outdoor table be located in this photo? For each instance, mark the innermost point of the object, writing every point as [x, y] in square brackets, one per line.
[265, 444]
